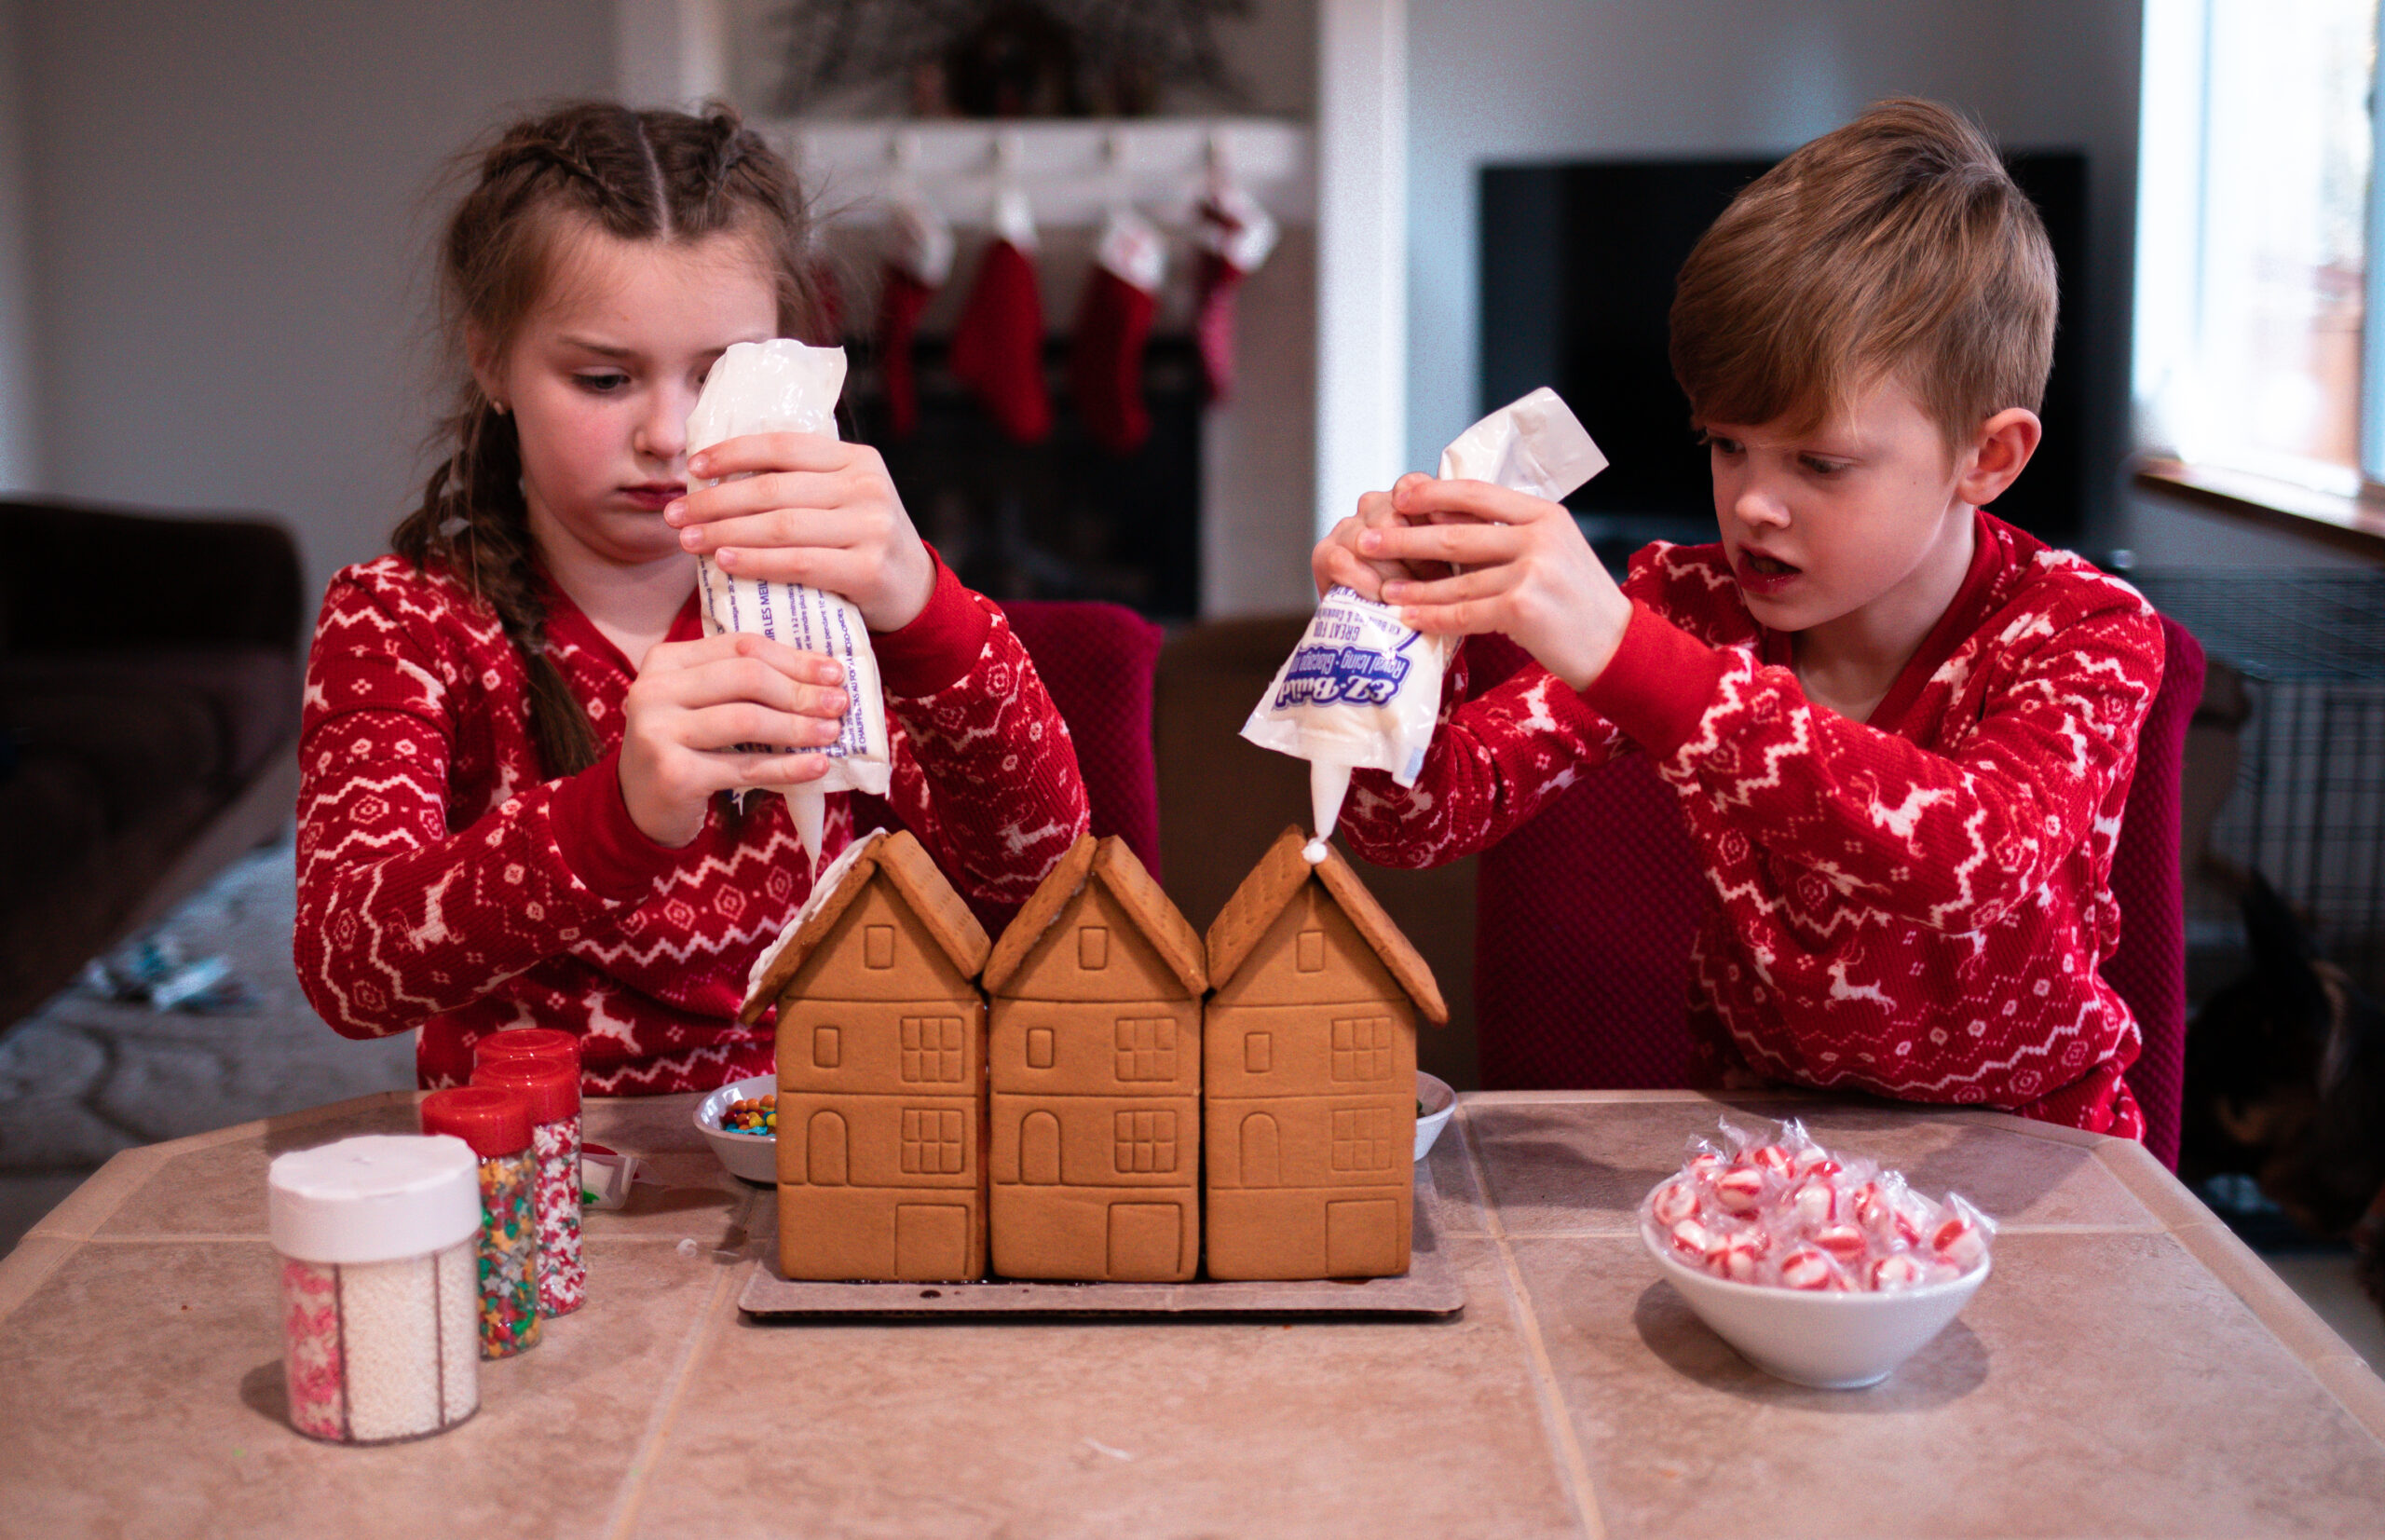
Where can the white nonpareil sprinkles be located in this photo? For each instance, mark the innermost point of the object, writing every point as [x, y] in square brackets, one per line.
[380, 1286]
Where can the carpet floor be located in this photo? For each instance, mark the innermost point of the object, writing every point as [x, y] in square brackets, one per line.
[84, 1077]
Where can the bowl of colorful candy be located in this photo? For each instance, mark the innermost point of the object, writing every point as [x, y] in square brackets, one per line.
[1822, 1270]
[740, 1122]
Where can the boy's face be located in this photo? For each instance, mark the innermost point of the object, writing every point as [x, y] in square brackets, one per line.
[1852, 516]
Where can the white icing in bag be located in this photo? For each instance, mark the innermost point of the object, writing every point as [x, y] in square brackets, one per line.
[1362, 690]
[784, 386]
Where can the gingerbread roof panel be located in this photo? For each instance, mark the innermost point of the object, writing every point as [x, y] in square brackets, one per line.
[1162, 924]
[1112, 863]
[832, 892]
[1246, 916]
[936, 901]
[1281, 873]
[1398, 954]
[913, 873]
[1043, 907]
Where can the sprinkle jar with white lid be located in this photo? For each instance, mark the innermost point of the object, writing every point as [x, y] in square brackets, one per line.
[378, 1238]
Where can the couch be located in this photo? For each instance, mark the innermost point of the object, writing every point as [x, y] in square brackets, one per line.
[150, 673]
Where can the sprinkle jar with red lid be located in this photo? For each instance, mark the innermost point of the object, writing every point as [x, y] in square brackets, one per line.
[552, 1089]
[528, 1043]
[496, 1123]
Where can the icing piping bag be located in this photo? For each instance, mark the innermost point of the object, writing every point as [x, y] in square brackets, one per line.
[1362, 690]
[776, 387]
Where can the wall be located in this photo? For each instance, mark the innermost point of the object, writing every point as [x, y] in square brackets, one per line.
[230, 233]
[2164, 532]
[20, 467]
[1524, 80]
[1259, 450]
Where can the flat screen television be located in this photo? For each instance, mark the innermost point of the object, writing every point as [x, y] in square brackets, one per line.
[1578, 262]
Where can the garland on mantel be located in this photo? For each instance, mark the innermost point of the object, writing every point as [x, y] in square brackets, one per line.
[1005, 58]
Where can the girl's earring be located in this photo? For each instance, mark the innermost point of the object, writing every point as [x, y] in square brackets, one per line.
[501, 408]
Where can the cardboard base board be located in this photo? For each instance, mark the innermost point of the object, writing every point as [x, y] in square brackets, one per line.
[1429, 1288]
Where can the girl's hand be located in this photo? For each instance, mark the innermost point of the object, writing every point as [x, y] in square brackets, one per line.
[692, 702]
[1522, 568]
[1337, 558]
[809, 510]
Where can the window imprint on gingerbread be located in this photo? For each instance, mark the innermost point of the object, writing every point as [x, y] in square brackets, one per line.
[1146, 1048]
[1093, 948]
[1259, 1053]
[1362, 1048]
[878, 945]
[932, 1050]
[828, 1048]
[1362, 1140]
[1311, 950]
[1039, 1047]
[932, 1140]
[1146, 1142]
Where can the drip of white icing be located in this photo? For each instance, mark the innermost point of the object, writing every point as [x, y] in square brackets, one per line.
[808, 805]
[1327, 785]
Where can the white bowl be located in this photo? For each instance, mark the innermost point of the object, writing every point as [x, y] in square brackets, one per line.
[1833, 1342]
[1438, 1102]
[752, 1157]
[756, 1156]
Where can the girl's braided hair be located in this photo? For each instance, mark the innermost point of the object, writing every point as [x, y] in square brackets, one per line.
[638, 176]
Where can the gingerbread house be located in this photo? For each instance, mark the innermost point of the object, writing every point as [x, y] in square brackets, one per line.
[1094, 1075]
[881, 1055]
[1310, 1074]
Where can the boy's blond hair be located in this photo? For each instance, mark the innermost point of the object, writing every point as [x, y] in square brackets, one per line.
[1897, 245]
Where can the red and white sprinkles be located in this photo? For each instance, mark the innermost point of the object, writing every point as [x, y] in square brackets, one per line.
[1783, 1212]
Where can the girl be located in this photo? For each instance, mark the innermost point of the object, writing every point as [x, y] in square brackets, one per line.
[515, 727]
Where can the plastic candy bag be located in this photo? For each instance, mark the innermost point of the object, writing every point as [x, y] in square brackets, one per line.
[1362, 690]
[783, 385]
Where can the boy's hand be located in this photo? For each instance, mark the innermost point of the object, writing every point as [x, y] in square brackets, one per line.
[1336, 558]
[693, 702]
[809, 510]
[1524, 569]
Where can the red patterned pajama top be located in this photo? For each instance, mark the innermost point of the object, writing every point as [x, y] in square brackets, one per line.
[1918, 907]
[443, 884]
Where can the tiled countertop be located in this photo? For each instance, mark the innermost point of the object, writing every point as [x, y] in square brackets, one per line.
[2130, 1369]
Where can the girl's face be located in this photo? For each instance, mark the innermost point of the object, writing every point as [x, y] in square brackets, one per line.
[602, 374]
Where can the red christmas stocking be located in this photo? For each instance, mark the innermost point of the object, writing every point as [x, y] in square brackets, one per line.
[900, 300]
[1113, 321]
[918, 262]
[1235, 236]
[827, 306]
[998, 347]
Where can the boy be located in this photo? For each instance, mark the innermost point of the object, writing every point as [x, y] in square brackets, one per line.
[1902, 730]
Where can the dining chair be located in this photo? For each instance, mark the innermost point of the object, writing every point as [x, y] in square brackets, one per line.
[1097, 661]
[1585, 918]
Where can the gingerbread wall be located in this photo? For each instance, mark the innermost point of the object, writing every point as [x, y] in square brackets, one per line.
[1310, 1117]
[1094, 1066]
[881, 1044]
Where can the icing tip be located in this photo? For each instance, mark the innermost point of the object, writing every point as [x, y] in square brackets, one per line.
[1313, 852]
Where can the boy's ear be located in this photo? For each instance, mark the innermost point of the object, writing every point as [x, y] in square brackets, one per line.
[1998, 455]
